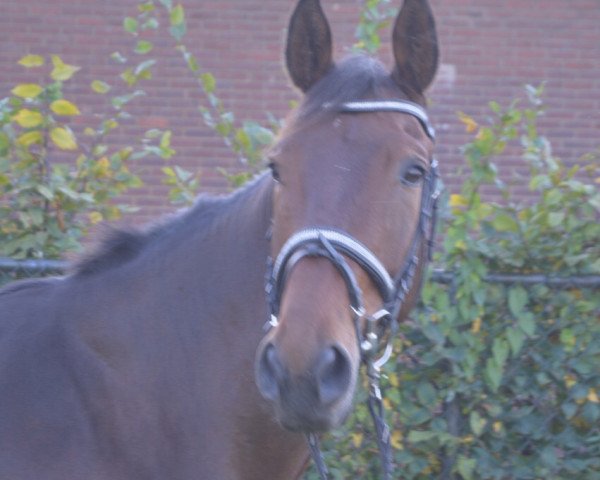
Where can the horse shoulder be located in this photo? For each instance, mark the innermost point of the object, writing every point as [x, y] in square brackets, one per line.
[48, 380]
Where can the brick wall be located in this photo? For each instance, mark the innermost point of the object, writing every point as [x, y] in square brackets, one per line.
[490, 49]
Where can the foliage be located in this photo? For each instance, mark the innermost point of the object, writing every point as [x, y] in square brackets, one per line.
[246, 140]
[498, 381]
[53, 185]
[375, 16]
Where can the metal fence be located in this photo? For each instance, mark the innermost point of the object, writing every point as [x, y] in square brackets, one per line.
[13, 269]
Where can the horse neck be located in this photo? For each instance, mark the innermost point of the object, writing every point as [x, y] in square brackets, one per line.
[223, 263]
[202, 280]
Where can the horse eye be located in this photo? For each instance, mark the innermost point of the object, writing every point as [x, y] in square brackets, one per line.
[413, 175]
[274, 171]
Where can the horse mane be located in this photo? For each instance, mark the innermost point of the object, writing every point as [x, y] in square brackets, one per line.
[122, 245]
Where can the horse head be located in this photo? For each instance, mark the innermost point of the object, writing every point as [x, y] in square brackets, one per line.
[353, 177]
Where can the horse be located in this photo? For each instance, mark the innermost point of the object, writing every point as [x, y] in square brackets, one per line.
[149, 359]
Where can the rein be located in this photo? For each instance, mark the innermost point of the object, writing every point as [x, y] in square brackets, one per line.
[335, 245]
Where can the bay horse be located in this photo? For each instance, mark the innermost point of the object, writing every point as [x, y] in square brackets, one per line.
[149, 359]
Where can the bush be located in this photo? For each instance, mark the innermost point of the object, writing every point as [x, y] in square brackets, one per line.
[499, 380]
[53, 185]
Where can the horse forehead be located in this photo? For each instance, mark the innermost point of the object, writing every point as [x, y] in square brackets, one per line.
[360, 137]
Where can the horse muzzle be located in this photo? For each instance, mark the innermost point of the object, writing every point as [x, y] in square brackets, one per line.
[316, 400]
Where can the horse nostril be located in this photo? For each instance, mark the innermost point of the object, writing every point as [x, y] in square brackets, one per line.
[333, 374]
[270, 372]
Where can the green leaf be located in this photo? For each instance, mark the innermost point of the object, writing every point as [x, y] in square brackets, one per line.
[64, 107]
[169, 172]
[45, 192]
[556, 218]
[177, 15]
[527, 324]
[516, 338]
[505, 223]
[208, 82]
[417, 436]
[165, 140]
[178, 31]
[568, 339]
[118, 57]
[29, 61]
[517, 299]
[182, 174]
[260, 135]
[477, 423]
[426, 394]
[493, 374]
[130, 25]
[146, 7]
[150, 24]
[466, 467]
[143, 66]
[128, 77]
[569, 409]
[4, 143]
[99, 86]
[500, 351]
[143, 46]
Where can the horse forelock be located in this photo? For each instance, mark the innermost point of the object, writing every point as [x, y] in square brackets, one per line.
[355, 78]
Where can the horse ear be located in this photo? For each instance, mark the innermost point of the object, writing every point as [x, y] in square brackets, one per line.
[309, 48]
[415, 46]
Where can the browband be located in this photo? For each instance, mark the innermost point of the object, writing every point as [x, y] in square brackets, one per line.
[401, 106]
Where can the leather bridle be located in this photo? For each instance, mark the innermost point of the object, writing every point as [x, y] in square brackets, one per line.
[336, 245]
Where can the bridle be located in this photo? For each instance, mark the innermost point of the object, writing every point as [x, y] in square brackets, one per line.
[335, 245]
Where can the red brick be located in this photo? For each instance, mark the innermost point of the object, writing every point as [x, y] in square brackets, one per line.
[490, 49]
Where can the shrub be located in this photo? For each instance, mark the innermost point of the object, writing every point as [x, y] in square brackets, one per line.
[499, 380]
[53, 185]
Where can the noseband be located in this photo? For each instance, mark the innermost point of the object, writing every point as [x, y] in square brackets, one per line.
[336, 245]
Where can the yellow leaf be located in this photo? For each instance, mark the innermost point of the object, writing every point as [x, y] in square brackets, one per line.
[570, 380]
[63, 138]
[396, 440]
[458, 200]
[62, 71]
[497, 426]
[30, 138]
[27, 90]
[99, 86]
[113, 213]
[593, 396]
[102, 167]
[393, 378]
[470, 124]
[460, 245]
[357, 439]
[90, 132]
[476, 326]
[28, 118]
[29, 61]
[95, 217]
[64, 107]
